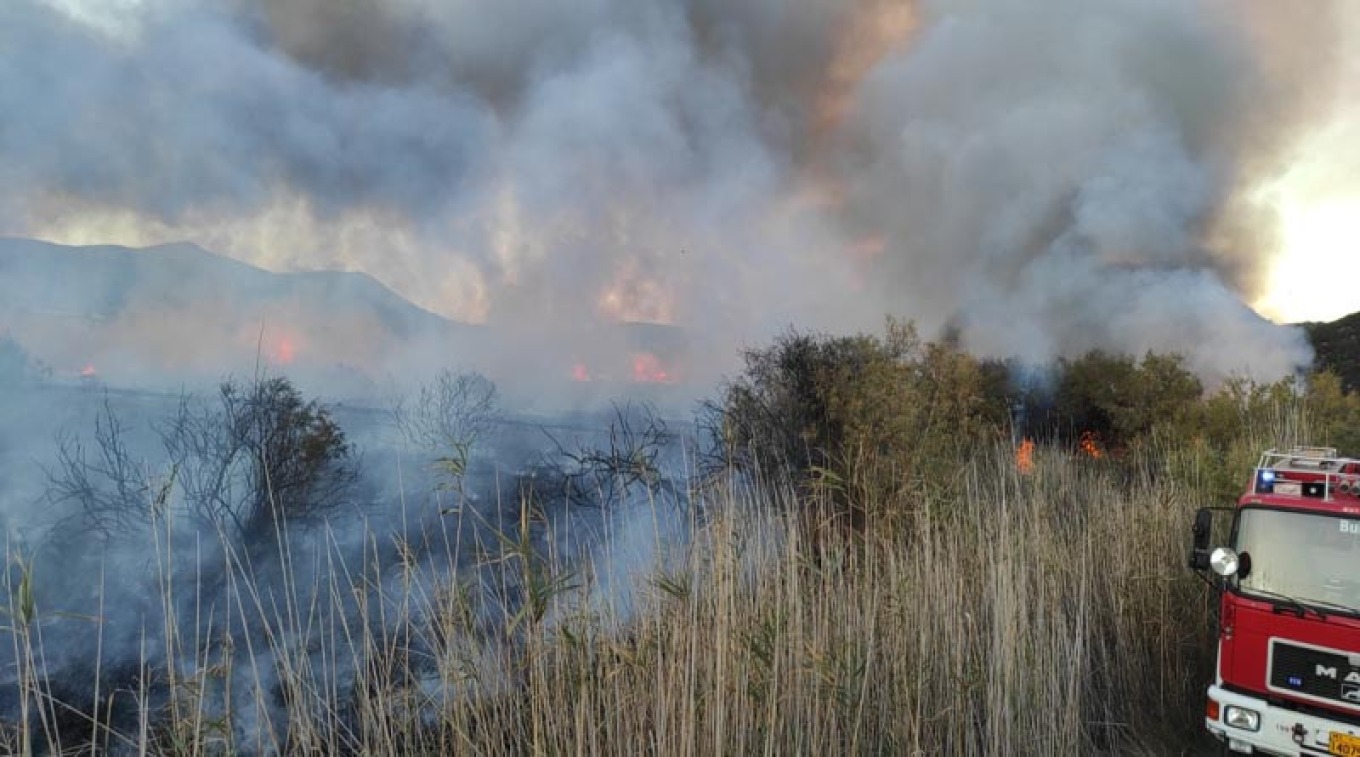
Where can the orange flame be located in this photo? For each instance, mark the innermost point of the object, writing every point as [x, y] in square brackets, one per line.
[1024, 457]
[579, 372]
[1090, 445]
[647, 368]
[88, 371]
[637, 294]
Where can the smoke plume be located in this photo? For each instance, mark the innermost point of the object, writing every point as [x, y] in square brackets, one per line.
[1042, 178]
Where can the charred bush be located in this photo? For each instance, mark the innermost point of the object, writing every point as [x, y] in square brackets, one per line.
[262, 454]
[255, 455]
[603, 474]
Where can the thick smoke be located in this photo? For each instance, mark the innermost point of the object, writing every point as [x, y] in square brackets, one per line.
[1040, 178]
[1054, 179]
[1043, 177]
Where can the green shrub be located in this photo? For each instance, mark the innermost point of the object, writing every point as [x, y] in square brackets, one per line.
[1123, 401]
[867, 425]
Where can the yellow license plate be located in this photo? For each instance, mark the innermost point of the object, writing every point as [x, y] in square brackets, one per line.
[1344, 744]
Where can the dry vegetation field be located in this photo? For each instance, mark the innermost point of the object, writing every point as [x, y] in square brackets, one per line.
[898, 592]
[1038, 613]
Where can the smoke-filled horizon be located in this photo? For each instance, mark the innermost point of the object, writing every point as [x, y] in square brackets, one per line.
[1039, 178]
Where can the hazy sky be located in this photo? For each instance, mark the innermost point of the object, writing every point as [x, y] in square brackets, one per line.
[1043, 177]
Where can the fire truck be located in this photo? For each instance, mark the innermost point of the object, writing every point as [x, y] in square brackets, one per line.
[1287, 679]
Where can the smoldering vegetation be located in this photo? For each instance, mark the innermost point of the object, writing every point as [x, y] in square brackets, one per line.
[871, 543]
[257, 550]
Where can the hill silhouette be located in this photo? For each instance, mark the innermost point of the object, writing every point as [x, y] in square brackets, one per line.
[1336, 346]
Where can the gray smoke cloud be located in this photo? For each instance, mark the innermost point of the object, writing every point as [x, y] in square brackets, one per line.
[1053, 175]
[1044, 177]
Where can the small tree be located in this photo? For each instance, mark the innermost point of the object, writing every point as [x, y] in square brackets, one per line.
[447, 418]
[300, 462]
[112, 489]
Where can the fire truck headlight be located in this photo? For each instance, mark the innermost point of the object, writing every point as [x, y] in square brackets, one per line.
[1241, 717]
[1224, 561]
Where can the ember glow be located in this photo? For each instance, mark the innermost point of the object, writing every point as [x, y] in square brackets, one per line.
[1089, 445]
[579, 372]
[88, 371]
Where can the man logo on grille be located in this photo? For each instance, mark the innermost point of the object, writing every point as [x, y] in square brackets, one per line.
[1323, 671]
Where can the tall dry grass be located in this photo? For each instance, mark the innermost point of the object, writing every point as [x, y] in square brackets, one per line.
[1047, 613]
[1040, 614]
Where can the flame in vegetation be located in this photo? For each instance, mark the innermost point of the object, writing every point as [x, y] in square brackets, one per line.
[1090, 445]
[88, 371]
[283, 351]
[647, 368]
[1024, 457]
[579, 372]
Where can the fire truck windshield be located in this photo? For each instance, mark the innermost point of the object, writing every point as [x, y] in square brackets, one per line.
[1311, 557]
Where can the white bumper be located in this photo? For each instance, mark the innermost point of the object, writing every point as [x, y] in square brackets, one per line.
[1281, 732]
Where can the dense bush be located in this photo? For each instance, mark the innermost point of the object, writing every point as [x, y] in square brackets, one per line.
[872, 423]
[874, 426]
[1121, 400]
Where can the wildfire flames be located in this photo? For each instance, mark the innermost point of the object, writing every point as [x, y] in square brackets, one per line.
[647, 368]
[644, 367]
[1090, 445]
[1024, 457]
[88, 371]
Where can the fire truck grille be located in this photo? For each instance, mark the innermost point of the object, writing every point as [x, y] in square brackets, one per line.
[1315, 673]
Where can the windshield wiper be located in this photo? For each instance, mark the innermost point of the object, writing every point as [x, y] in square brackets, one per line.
[1285, 602]
[1334, 607]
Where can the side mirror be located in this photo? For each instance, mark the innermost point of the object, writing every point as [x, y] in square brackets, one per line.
[1200, 534]
[1204, 521]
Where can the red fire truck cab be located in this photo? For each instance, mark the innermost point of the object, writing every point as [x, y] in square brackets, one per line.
[1288, 674]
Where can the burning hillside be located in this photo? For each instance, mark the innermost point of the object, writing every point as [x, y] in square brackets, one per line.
[166, 315]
